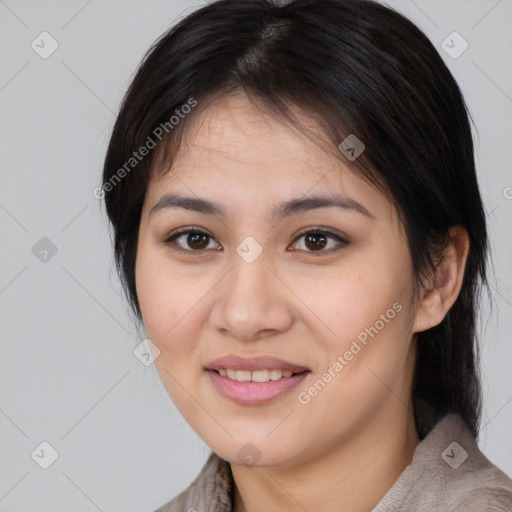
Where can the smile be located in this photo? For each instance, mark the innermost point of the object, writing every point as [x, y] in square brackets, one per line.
[255, 376]
[251, 380]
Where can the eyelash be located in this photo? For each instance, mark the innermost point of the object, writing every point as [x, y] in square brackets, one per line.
[169, 241]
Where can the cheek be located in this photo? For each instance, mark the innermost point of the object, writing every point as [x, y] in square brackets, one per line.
[168, 305]
[352, 297]
[170, 312]
[370, 352]
[365, 306]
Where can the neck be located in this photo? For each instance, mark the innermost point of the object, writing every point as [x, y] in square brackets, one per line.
[352, 476]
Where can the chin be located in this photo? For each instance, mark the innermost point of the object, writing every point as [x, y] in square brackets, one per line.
[258, 453]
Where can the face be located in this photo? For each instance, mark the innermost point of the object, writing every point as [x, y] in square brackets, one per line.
[320, 287]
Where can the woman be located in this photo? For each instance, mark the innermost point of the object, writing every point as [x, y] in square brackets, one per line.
[298, 226]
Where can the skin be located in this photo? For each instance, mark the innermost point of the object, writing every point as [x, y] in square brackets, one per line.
[345, 448]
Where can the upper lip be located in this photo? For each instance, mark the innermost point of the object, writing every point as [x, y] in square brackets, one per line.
[253, 363]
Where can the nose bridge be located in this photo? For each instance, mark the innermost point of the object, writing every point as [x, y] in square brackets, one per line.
[250, 300]
[249, 280]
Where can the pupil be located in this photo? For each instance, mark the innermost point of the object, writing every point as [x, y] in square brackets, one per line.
[318, 241]
[197, 240]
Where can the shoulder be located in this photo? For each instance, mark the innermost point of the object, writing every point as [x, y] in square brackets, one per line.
[478, 486]
[482, 498]
[210, 490]
[449, 473]
[471, 482]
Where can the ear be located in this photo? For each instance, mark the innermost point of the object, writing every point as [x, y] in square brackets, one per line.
[445, 286]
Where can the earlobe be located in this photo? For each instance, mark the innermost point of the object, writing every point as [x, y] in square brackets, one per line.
[444, 288]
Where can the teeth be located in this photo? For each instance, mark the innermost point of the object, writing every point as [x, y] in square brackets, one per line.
[255, 376]
[260, 376]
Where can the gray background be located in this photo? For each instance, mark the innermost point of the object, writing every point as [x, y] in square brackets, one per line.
[68, 375]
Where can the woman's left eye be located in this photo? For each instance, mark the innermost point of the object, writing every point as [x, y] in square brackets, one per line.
[317, 241]
[313, 241]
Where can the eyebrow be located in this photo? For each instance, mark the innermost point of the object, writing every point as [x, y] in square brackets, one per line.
[285, 209]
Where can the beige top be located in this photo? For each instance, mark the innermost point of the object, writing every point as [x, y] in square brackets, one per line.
[448, 473]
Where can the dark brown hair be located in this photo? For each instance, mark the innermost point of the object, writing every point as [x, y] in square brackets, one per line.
[356, 67]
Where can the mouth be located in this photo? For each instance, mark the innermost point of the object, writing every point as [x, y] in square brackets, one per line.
[253, 381]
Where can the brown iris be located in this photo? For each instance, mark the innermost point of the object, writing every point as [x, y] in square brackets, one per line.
[197, 240]
[316, 241]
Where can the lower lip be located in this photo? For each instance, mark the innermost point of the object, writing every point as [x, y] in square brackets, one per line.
[254, 393]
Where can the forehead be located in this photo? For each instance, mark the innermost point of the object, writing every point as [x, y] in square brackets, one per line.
[232, 147]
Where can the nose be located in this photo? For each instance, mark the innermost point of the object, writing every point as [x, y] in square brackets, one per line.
[251, 302]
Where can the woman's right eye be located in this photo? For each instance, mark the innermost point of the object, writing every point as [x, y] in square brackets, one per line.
[191, 240]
